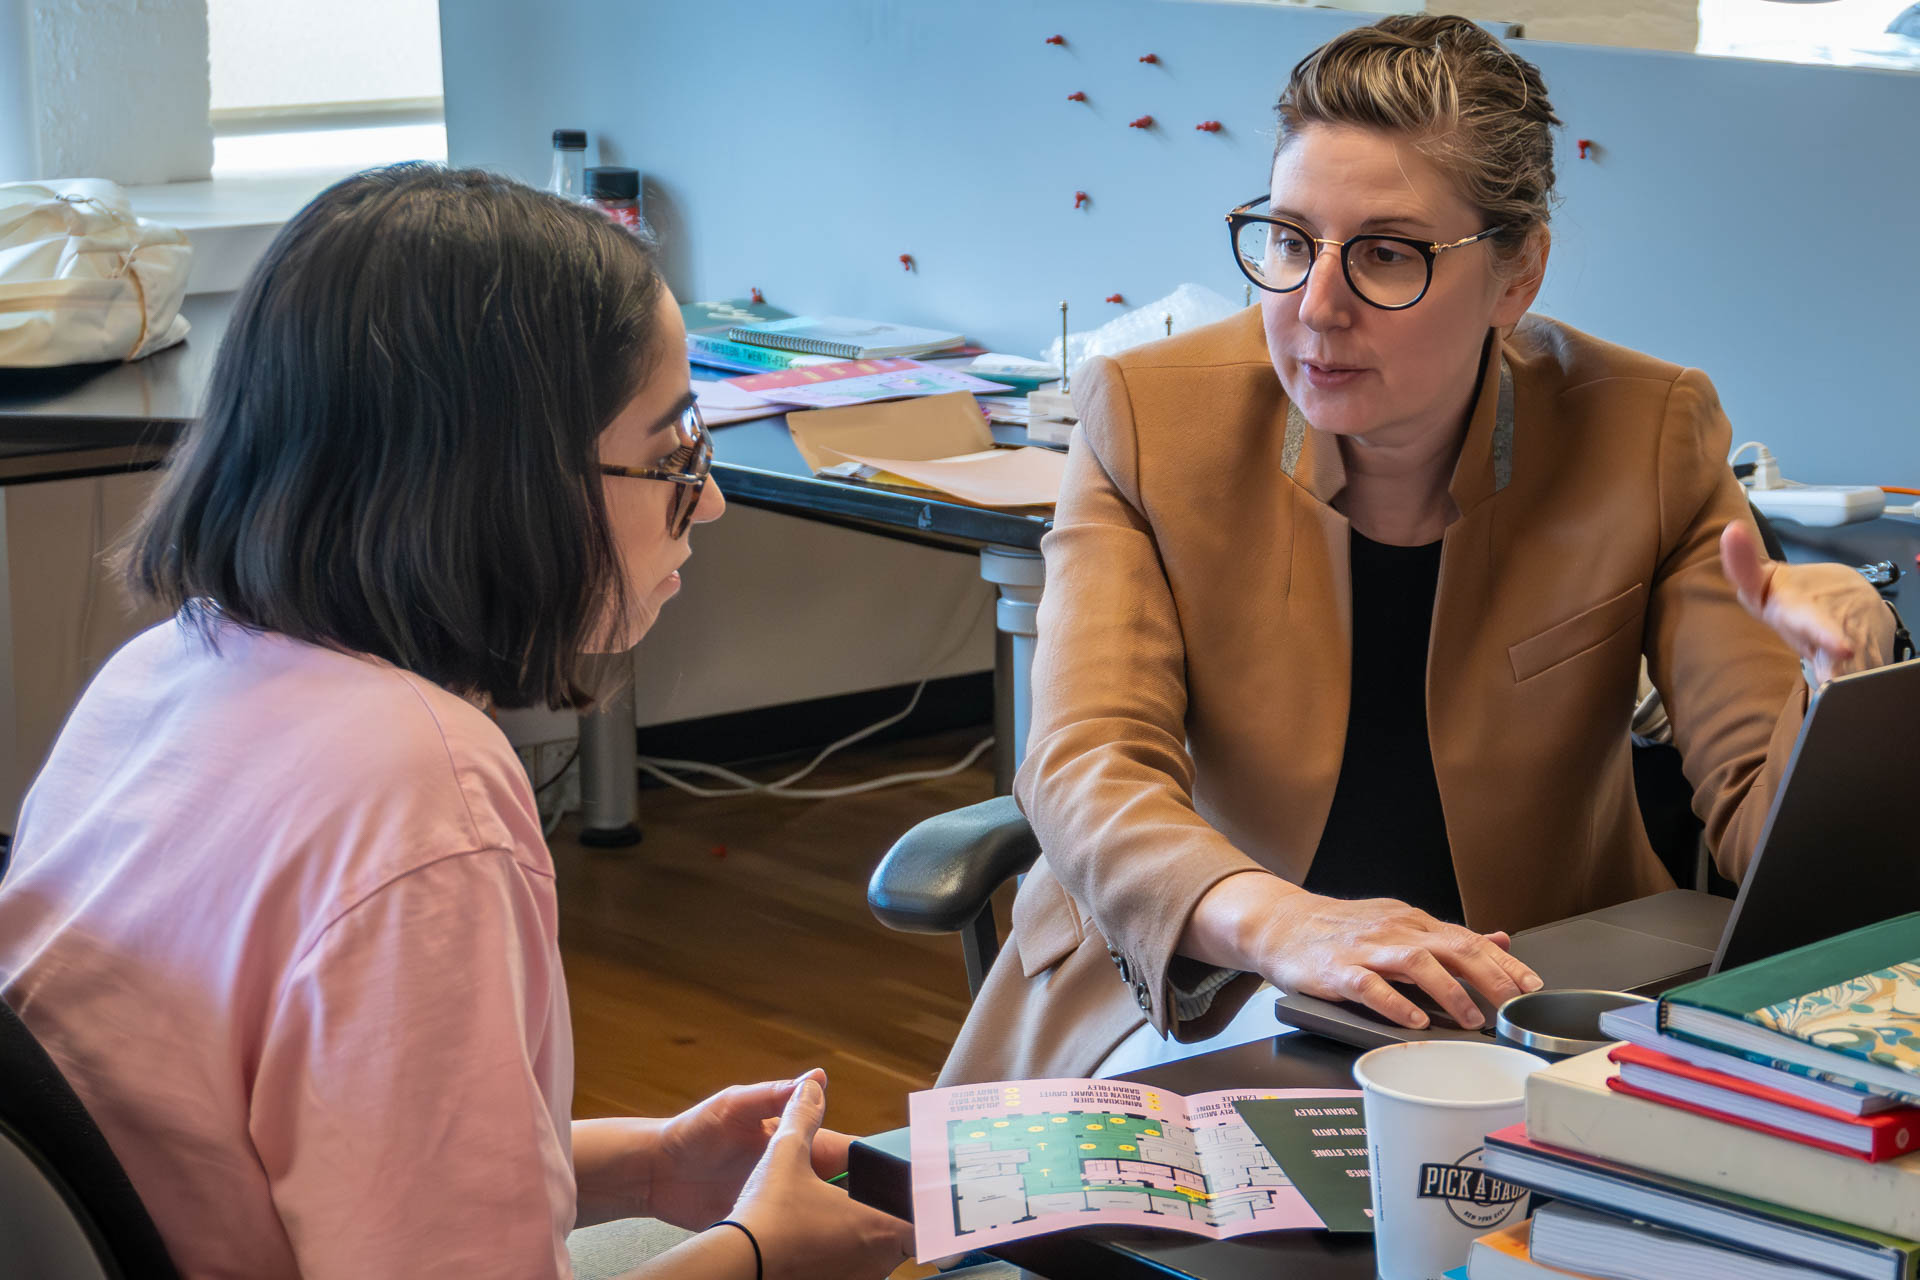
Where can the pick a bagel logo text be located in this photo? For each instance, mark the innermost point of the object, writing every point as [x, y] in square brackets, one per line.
[1474, 1197]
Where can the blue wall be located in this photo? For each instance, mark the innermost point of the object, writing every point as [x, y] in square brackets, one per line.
[1760, 221]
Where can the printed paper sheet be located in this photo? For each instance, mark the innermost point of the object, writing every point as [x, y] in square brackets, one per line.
[1000, 1162]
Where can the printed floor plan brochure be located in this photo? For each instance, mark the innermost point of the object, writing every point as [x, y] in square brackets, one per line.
[999, 1162]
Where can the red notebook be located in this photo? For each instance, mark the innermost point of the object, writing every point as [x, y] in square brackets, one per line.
[1719, 1096]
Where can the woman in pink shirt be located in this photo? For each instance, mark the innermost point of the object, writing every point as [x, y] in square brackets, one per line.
[279, 907]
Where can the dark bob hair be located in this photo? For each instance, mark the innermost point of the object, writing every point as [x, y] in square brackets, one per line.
[398, 452]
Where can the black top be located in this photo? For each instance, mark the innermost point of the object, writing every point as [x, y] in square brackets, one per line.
[1386, 836]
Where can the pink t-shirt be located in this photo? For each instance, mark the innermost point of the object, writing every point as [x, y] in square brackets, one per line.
[285, 919]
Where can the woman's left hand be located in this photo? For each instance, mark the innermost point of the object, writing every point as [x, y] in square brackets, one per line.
[1830, 615]
[704, 1154]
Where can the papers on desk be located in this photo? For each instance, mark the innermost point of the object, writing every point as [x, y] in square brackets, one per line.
[721, 403]
[1019, 477]
[994, 1163]
[939, 443]
[825, 386]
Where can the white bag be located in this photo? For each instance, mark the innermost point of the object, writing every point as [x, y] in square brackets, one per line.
[82, 279]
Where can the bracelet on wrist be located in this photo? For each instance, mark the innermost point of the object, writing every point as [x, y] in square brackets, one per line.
[759, 1263]
[1902, 638]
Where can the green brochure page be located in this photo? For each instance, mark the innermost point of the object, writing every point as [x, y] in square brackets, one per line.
[1321, 1143]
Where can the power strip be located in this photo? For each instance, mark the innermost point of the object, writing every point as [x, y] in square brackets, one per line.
[1821, 505]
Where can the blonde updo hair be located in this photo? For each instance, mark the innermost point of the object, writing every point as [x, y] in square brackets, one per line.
[1465, 100]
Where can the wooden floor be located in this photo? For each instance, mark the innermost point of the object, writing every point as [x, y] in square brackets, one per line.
[734, 944]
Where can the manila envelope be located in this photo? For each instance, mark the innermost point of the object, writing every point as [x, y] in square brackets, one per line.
[913, 430]
[937, 442]
[1025, 477]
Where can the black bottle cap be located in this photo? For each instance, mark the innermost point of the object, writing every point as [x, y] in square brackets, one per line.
[613, 182]
[569, 139]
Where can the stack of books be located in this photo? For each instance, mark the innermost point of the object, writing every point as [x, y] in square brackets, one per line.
[1760, 1124]
[742, 335]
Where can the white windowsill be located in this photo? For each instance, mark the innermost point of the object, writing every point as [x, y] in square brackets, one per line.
[233, 216]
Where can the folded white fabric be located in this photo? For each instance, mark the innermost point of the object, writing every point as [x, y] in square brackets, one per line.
[82, 279]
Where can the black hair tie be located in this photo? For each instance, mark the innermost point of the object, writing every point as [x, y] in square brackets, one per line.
[759, 1263]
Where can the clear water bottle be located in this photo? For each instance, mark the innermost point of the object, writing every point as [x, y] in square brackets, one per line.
[568, 179]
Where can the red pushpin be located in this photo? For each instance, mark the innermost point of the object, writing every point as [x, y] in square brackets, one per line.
[1056, 39]
[1114, 297]
[1151, 59]
[1076, 96]
[1144, 122]
[1208, 126]
[1584, 144]
[906, 262]
[1079, 198]
[758, 296]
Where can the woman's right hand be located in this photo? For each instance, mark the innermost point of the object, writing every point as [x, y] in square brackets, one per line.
[809, 1230]
[1354, 950]
[1338, 949]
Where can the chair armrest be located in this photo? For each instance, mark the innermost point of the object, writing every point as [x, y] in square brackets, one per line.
[938, 877]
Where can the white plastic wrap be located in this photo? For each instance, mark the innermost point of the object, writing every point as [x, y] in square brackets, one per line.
[1190, 305]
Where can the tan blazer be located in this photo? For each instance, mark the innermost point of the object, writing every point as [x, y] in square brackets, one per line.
[1191, 684]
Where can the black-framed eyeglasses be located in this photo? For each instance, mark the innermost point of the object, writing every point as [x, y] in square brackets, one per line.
[1389, 272]
[685, 469]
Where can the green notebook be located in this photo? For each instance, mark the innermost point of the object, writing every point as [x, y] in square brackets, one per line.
[1848, 1007]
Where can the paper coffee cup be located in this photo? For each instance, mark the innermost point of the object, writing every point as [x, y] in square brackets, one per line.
[1429, 1107]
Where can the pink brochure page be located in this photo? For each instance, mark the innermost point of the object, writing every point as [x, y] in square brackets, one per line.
[999, 1162]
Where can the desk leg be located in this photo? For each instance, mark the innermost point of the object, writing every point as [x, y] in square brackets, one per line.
[609, 774]
[1019, 575]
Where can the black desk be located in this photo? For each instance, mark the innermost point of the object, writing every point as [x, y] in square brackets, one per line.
[879, 1177]
[89, 420]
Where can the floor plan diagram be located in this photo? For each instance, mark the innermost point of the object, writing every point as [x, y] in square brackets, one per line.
[1004, 1161]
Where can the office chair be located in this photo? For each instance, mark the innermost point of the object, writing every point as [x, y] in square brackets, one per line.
[67, 1210]
[940, 876]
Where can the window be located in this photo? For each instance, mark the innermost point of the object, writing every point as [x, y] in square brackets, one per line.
[339, 85]
[1844, 32]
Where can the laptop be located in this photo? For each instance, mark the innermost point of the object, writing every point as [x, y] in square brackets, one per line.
[1837, 852]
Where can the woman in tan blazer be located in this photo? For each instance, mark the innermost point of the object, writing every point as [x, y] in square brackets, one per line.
[1347, 597]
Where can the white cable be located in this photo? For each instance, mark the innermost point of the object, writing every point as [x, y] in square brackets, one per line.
[1766, 468]
[825, 793]
[748, 784]
[656, 766]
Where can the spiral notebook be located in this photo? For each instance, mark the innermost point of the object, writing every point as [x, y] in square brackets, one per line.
[845, 339]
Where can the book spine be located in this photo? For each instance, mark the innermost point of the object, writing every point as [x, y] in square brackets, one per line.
[1596, 1120]
[1756, 1225]
[1911, 1099]
[739, 352]
[1880, 1148]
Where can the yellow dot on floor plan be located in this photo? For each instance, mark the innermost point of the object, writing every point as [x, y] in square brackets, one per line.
[1059, 1119]
[1149, 1133]
[1034, 1128]
[1125, 1147]
[1116, 1119]
[1094, 1127]
[979, 1133]
[1088, 1146]
[1000, 1124]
